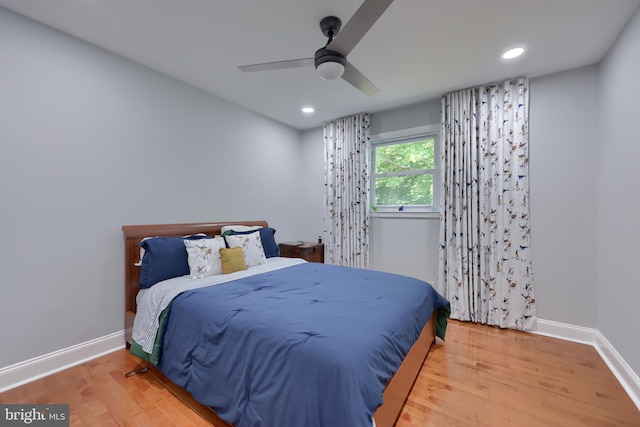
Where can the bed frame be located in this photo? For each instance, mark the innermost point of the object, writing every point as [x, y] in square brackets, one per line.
[396, 391]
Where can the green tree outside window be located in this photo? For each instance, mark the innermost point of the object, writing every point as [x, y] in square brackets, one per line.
[403, 174]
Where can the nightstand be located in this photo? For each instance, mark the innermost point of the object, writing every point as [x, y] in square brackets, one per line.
[313, 252]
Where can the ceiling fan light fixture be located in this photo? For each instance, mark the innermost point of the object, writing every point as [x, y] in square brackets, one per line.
[329, 64]
[330, 70]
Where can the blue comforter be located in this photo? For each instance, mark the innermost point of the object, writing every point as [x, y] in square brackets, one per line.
[308, 345]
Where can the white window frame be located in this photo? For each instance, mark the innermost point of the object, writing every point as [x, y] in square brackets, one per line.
[408, 135]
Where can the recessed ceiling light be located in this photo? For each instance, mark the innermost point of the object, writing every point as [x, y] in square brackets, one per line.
[307, 110]
[513, 53]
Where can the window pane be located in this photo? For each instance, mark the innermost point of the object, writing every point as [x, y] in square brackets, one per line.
[404, 190]
[404, 156]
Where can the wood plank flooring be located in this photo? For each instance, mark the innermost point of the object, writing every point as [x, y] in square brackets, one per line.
[481, 376]
[485, 376]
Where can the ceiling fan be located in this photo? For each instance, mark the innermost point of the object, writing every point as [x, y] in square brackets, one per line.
[331, 60]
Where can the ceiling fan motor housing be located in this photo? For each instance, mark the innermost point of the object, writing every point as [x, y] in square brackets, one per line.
[325, 55]
[329, 64]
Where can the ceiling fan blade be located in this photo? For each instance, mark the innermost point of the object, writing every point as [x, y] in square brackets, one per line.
[278, 65]
[354, 77]
[361, 21]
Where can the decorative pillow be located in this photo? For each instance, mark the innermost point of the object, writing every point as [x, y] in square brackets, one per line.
[267, 236]
[239, 228]
[188, 236]
[203, 256]
[164, 258]
[232, 260]
[251, 246]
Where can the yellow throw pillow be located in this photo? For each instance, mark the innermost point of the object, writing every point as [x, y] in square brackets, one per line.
[232, 260]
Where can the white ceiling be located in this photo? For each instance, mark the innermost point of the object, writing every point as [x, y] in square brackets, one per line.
[419, 49]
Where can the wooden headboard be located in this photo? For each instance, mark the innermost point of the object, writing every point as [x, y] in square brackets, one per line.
[132, 236]
[134, 233]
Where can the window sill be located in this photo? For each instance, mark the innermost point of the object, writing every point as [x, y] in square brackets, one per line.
[405, 215]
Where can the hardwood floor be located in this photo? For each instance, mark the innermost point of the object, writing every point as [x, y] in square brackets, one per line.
[485, 376]
[481, 376]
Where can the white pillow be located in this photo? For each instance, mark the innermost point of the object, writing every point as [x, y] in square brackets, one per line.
[251, 245]
[204, 256]
[239, 228]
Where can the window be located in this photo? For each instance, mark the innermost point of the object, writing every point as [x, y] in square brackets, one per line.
[404, 171]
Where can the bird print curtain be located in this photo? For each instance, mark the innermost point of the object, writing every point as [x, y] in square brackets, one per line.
[485, 255]
[346, 191]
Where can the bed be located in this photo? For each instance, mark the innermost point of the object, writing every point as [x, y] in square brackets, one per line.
[308, 371]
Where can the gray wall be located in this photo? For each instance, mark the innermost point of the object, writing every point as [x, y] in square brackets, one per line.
[618, 231]
[419, 114]
[563, 182]
[90, 141]
[407, 246]
[311, 184]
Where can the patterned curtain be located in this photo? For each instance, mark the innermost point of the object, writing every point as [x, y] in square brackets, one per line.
[485, 256]
[346, 191]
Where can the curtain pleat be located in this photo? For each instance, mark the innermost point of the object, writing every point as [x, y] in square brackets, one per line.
[346, 215]
[485, 256]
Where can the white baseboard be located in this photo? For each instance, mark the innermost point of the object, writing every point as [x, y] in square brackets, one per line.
[628, 379]
[567, 332]
[29, 370]
[623, 372]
